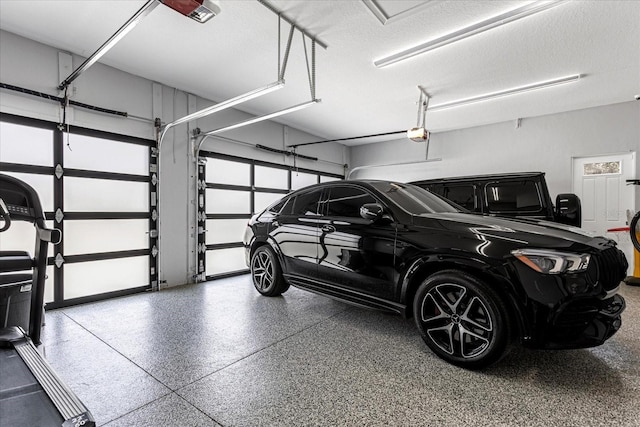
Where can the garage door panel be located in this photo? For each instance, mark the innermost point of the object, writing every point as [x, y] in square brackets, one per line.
[97, 277]
[267, 177]
[228, 172]
[26, 145]
[221, 231]
[228, 201]
[99, 154]
[105, 195]
[221, 261]
[97, 236]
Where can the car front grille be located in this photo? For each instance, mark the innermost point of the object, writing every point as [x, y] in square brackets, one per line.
[612, 267]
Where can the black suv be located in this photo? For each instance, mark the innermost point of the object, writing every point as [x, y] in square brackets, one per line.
[473, 283]
[519, 195]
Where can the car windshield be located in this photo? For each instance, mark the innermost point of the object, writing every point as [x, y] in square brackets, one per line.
[412, 199]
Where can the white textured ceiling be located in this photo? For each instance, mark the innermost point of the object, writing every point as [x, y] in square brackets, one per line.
[236, 52]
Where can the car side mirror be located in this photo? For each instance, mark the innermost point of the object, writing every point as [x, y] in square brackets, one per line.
[371, 211]
[569, 209]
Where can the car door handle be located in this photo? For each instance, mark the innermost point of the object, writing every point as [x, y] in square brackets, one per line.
[328, 228]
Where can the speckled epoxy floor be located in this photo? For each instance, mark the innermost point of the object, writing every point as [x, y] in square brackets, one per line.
[218, 353]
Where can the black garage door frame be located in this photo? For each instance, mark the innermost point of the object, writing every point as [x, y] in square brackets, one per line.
[59, 172]
[252, 188]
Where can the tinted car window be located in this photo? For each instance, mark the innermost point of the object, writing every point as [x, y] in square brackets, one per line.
[438, 189]
[306, 203]
[464, 195]
[346, 201]
[272, 211]
[412, 199]
[514, 196]
[277, 207]
[287, 208]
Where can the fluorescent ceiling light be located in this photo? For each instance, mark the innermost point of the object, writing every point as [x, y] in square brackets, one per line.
[265, 117]
[512, 91]
[229, 103]
[472, 30]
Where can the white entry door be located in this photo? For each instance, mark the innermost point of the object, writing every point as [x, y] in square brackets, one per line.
[600, 182]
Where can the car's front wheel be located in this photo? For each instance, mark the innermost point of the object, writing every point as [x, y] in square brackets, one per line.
[461, 319]
[266, 272]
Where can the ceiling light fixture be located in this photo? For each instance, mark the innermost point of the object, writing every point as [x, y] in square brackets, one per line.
[265, 117]
[508, 92]
[472, 30]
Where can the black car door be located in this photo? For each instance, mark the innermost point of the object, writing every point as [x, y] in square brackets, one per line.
[295, 232]
[354, 253]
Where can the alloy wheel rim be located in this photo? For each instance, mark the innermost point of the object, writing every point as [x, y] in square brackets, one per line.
[262, 270]
[457, 321]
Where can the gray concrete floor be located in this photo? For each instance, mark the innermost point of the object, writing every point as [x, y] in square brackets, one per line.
[218, 353]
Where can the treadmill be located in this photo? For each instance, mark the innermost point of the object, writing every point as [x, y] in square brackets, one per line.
[31, 393]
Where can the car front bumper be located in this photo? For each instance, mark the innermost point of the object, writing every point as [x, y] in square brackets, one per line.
[580, 323]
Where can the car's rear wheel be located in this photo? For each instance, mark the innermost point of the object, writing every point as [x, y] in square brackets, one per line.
[461, 319]
[266, 272]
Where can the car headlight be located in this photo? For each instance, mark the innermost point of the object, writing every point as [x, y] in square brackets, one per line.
[552, 262]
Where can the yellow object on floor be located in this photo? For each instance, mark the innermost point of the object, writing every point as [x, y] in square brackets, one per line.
[635, 279]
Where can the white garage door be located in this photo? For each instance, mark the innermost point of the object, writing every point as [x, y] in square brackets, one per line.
[236, 188]
[95, 187]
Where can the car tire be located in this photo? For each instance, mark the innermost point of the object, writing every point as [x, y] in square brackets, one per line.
[462, 320]
[266, 272]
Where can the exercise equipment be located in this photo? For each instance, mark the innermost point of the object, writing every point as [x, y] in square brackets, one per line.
[31, 393]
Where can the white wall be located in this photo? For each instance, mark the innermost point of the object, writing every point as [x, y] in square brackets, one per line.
[545, 143]
[39, 67]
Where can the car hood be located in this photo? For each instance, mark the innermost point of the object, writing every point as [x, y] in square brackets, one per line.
[527, 232]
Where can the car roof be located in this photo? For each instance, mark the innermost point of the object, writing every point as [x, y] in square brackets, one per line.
[367, 183]
[486, 177]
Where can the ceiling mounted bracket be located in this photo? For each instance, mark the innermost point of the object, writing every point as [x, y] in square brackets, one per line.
[423, 104]
[292, 22]
[310, 72]
[282, 66]
[287, 50]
